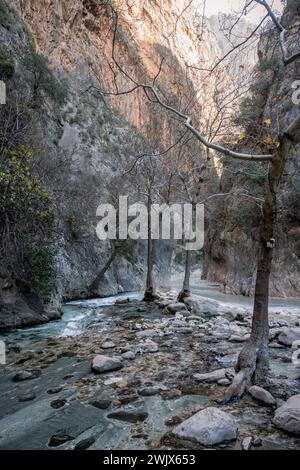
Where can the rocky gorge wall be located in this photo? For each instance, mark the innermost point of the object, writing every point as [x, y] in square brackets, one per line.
[86, 145]
[90, 140]
[233, 234]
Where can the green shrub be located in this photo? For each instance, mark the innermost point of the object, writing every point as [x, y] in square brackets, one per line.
[272, 63]
[27, 212]
[256, 173]
[43, 79]
[40, 264]
[7, 68]
[6, 15]
[241, 217]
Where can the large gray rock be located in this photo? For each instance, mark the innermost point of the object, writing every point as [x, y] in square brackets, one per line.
[129, 355]
[108, 345]
[148, 346]
[26, 374]
[211, 376]
[262, 395]
[287, 417]
[208, 427]
[202, 306]
[102, 364]
[175, 307]
[288, 336]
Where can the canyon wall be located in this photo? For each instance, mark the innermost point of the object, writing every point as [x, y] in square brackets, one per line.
[88, 138]
[233, 234]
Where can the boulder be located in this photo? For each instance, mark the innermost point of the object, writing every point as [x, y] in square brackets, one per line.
[149, 346]
[103, 364]
[246, 443]
[288, 336]
[287, 416]
[108, 345]
[211, 377]
[175, 307]
[26, 374]
[262, 395]
[129, 355]
[202, 306]
[147, 333]
[208, 427]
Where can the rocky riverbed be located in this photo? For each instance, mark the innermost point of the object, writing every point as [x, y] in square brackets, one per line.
[136, 374]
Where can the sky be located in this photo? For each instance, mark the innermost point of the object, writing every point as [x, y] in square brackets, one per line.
[226, 6]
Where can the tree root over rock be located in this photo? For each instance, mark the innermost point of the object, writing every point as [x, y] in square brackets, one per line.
[252, 367]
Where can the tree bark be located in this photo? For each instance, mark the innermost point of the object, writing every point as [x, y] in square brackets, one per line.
[185, 291]
[253, 362]
[93, 288]
[150, 290]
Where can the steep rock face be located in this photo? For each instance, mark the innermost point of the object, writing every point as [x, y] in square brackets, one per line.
[92, 138]
[232, 238]
[85, 144]
[21, 309]
[82, 32]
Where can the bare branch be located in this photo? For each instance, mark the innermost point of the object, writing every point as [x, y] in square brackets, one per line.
[184, 119]
[159, 154]
[237, 46]
[286, 58]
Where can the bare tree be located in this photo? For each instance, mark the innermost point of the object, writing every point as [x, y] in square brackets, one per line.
[253, 360]
[191, 176]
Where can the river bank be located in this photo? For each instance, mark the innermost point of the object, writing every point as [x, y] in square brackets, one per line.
[51, 397]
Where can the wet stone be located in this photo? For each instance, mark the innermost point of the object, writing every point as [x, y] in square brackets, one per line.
[101, 404]
[85, 443]
[53, 391]
[129, 416]
[27, 396]
[59, 439]
[58, 403]
[246, 443]
[103, 364]
[149, 391]
[26, 374]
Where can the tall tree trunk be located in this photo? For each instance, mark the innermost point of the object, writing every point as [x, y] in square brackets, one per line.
[93, 288]
[185, 291]
[150, 290]
[253, 362]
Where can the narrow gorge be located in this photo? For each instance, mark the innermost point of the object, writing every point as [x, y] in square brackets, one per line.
[117, 115]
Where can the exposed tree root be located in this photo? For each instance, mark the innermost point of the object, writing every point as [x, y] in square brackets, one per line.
[251, 367]
[183, 294]
[150, 295]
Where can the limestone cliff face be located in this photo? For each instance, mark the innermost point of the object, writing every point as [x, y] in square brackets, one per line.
[86, 144]
[91, 140]
[98, 135]
[77, 34]
[232, 238]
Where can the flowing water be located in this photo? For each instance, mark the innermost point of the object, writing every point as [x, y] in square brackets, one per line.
[100, 317]
[78, 315]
